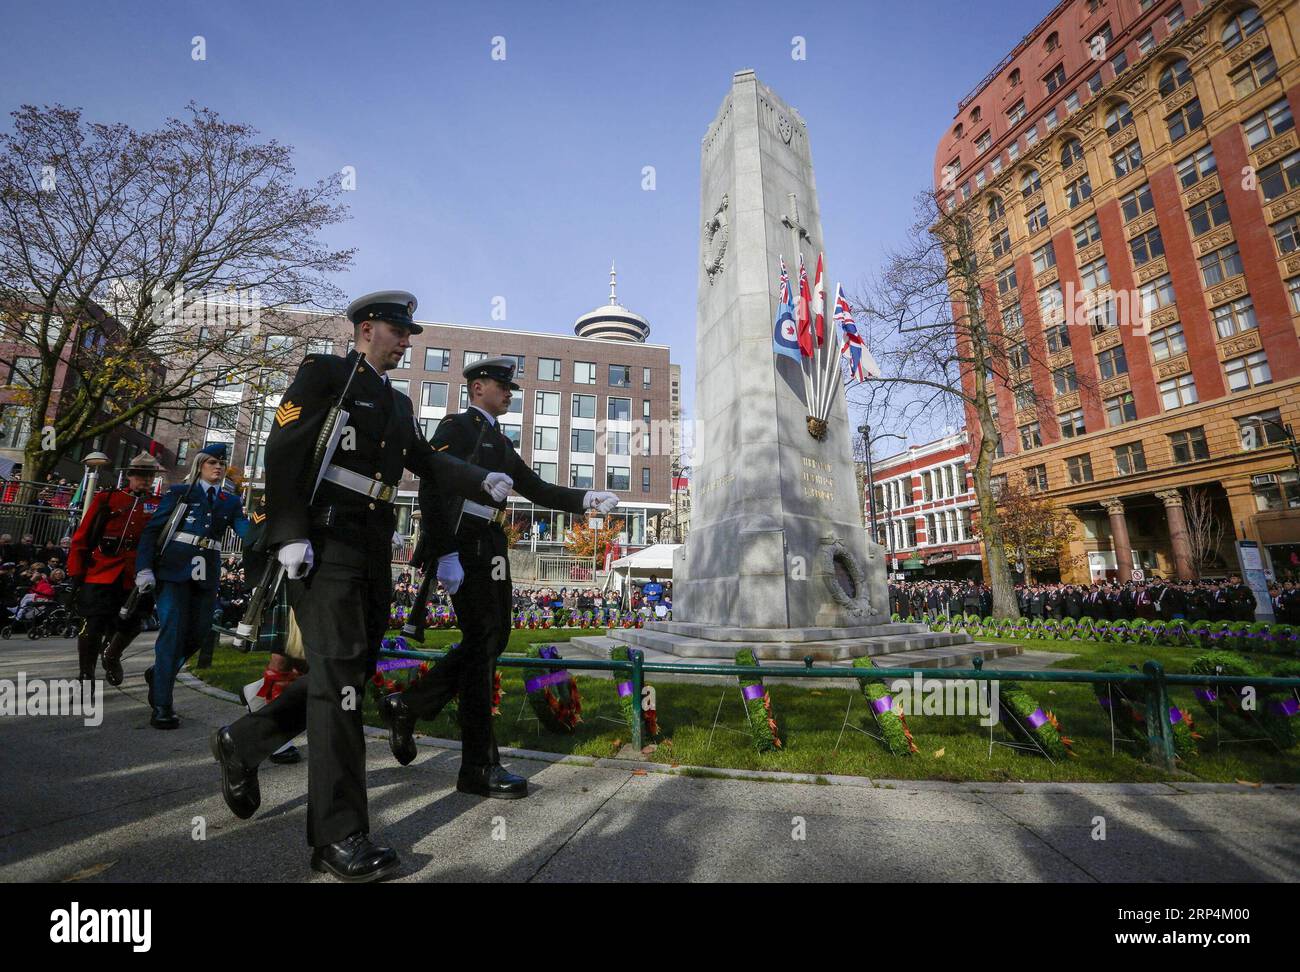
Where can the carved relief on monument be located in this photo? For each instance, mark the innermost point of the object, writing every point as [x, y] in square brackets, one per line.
[1241, 344]
[1275, 148]
[1172, 367]
[1234, 288]
[846, 580]
[1153, 269]
[717, 232]
[1205, 188]
[720, 128]
[1215, 240]
[776, 121]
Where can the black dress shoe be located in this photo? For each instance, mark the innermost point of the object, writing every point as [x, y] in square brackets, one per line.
[492, 781]
[164, 718]
[356, 859]
[284, 757]
[148, 680]
[401, 727]
[239, 786]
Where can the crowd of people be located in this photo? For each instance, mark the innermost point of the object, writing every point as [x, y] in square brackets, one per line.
[1219, 599]
[30, 573]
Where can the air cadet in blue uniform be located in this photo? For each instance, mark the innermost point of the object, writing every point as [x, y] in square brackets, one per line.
[337, 554]
[187, 573]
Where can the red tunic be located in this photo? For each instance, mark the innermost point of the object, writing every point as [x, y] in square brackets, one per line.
[103, 548]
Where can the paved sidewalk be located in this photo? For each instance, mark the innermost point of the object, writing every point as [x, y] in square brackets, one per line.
[122, 802]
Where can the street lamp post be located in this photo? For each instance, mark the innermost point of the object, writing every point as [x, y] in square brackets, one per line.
[93, 463]
[867, 439]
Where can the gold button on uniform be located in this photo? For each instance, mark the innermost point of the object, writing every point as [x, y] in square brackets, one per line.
[382, 443]
[377, 475]
[372, 506]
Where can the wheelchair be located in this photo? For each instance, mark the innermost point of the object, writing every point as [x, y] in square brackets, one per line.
[45, 619]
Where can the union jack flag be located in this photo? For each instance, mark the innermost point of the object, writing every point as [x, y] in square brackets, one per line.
[861, 364]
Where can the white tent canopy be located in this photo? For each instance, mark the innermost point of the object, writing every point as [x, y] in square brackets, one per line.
[652, 560]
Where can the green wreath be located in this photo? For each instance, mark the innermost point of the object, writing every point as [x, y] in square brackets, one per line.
[893, 724]
[1275, 708]
[758, 706]
[1031, 724]
[650, 728]
[1130, 714]
[553, 694]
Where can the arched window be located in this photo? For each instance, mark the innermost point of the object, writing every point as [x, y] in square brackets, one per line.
[1053, 41]
[1174, 77]
[1243, 23]
[1030, 183]
[1015, 77]
[957, 132]
[1121, 116]
[1071, 153]
[974, 115]
[996, 209]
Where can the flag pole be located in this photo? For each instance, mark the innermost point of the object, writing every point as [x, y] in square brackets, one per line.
[833, 368]
[796, 293]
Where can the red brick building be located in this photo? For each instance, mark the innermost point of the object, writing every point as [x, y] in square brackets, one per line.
[1133, 168]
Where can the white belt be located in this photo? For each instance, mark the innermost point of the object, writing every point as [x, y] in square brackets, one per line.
[483, 512]
[194, 540]
[357, 483]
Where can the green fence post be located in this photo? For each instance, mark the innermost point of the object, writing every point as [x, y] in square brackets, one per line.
[1160, 734]
[637, 657]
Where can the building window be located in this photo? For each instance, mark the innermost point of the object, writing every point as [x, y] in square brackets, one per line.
[995, 209]
[1079, 469]
[1112, 362]
[1094, 83]
[1242, 25]
[584, 406]
[1184, 120]
[1155, 294]
[1293, 288]
[1086, 232]
[584, 372]
[1287, 234]
[1071, 423]
[645, 479]
[401, 385]
[472, 357]
[1120, 409]
[1276, 491]
[1031, 136]
[1177, 392]
[1272, 121]
[1050, 299]
[1057, 338]
[1189, 445]
[1147, 42]
[1196, 167]
[1006, 281]
[1261, 429]
[1018, 356]
[1134, 204]
[1218, 266]
[1013, 319]
[1044, 257]
[1208, 213]
[618, 478]
[1037, 219]
[1065, 380]
[983, 142]
[1119, 117]
[548, 403]
[1280, 177]
[1031, 437]
[619, 410]
[1036, 479]
[1128, 159]
[546, 437]
[1078, 191]
[1055, 78]
[515, 433]
[645, 377]
[1258, 71]
[1094, 275]
[582, 476]
[582, 440]
[1247, 371]
[1130, 459]
[1167, 342]
[620, 376]
[1235, 317]
[1001, 244]
[618, 443]
[1030, 183]
[548, 369]
[1175, 19]
[547, 472]
[464, 397]
[433, 394]
[1024, 395]
[437, 359]
[1147, 246]
[1071, 153]
[1174, 77]
[1016, 112]
[1013, 151]
[1119, 63]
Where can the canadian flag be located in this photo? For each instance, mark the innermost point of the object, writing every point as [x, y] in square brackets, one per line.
[819, 304]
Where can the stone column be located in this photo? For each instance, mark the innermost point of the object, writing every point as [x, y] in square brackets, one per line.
[1241, 505]
[1184, 564]
[1119, 532]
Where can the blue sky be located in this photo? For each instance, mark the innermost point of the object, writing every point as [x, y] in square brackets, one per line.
[522, 178]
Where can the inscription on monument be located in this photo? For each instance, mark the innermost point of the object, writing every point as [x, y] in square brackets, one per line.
[816, 479]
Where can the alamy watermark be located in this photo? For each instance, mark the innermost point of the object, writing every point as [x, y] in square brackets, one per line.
[52, 697]
[946, 697]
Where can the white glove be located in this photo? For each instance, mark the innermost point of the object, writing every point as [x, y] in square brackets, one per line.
[145, 580]
[498, 486]
[297, 558]
[450, 573]
[596, 499]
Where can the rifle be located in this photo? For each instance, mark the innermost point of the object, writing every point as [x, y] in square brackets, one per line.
[169, 531]
[414, 626]
[327, 441]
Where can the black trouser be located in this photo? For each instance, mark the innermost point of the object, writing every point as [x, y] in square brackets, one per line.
[99, 604]
[342, 611]
[483, 611]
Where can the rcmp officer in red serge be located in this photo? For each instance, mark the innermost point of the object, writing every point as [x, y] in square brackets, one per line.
[337, 554]
[466, 544]
[186, 568]
[101, 563]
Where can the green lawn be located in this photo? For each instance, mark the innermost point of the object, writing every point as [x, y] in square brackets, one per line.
[950, 748]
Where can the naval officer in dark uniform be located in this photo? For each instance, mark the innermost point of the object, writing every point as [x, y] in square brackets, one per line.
[337, 554]
[465, 543]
